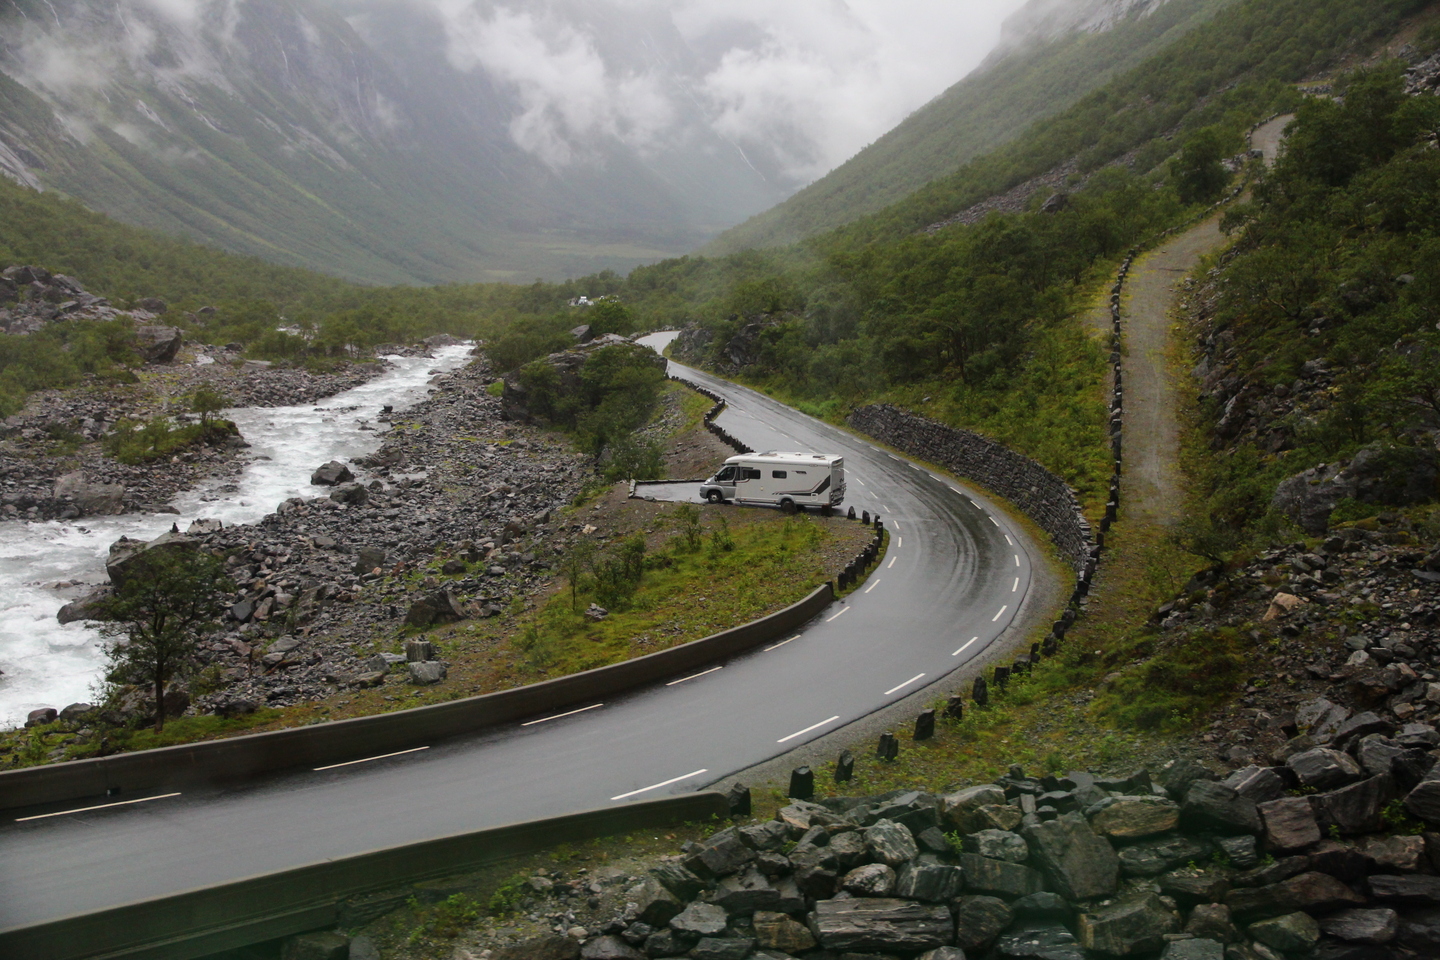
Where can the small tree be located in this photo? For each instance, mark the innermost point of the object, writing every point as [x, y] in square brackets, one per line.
[157, 616]
[207, 401]
[574, 564]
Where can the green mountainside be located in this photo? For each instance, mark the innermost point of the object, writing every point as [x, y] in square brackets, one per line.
[990, 107]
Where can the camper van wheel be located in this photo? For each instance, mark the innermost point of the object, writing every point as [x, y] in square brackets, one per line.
[787, 506]
[715, 496]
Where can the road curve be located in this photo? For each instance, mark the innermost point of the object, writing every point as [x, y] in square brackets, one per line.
[955, 576]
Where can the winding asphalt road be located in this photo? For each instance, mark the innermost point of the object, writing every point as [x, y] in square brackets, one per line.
[954, 578]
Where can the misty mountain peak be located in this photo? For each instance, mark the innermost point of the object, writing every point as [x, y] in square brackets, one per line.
[1043, 20]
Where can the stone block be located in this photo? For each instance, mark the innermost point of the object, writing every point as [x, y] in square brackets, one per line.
[1377, 925]
[1323, 768]
[979, 920]
[890, 843]
[1290, 933]
[1127, 928]
[1213, 807]
[1150, 858]
[1357, 808]
[1080, 864]
[1130, 818]
[928, 880]
[882, 925]
[1001, 877]
[997, 845]
[1312, 892]
[776, 931]
[1289, 824]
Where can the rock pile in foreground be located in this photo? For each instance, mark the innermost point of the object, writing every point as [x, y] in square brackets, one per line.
[1268, 863]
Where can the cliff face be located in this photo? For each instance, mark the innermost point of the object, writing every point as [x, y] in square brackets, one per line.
[349, 136]
[1042, 20]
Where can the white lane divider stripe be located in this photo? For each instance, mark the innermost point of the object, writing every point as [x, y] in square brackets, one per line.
[904, 685]
[780, 644]
[702, 673]
[657, 786]
[382, 756]
[842, 610]
[859, 481]
[1016, 585]
[1001, 613]
[873, 585]
[964, 647]
[567, 713]
[1008, 540]
[993, 520]
[813, 726]
[899, 542]
[1017, 559]
[103, 806]
[891, 563]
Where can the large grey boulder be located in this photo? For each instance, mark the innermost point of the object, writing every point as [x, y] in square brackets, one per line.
[1129, 927]
[1212, 921]
[1357, 808]
[655, 904]
[1424, 801]
[1130, 818]
[958, 810]
[700, 920]
[331, 474]
[880, 925]
[719, 855]
[1290, 933]
[157, 344]
[1379, 474]
[426, 672]
[929, 880]
[1002, 877]
[1377, 925]
[90, 499]
[1215, 807]
[1289, 824]
[1150, 858]
[1312, 892]
[890, 843]
[979, 920]
[128, 557]
[870, 880]
[1080, 864]
[743, 893]
[1323, 768]
[997, 845]
[777, 931]
[87, 607]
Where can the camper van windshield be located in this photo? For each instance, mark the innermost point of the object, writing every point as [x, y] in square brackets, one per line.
[726, 473]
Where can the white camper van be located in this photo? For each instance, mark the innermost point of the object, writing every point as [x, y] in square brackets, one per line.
[786, 480]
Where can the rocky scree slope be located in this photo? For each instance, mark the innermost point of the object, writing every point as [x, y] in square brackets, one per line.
[1299, 859]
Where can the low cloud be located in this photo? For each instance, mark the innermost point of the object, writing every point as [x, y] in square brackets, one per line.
[803, 84]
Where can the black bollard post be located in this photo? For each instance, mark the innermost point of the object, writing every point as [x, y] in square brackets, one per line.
[1050, 647]
[980, 692]
[955, 707]
[739, 799]
[851, 514]
[802, 783]
[845, 767]
[1002, 677]
[889, 747]
[865, 517]
[925, 725]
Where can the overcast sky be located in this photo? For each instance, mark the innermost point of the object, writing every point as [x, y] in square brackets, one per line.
[809, 81]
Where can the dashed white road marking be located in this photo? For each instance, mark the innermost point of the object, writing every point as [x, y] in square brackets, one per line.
[568, 713]
[873, 585]
[891, 563]
[964, 647]
[102, 806]
[992, 520]
[382, 756]
[780, 644]
[700, 674]
[1017, 559]
[657, 786]
[842, 610]
[899, 542]
[812, 726]
[904, 685]
[1008, 540]
[859, 481]
[998, 615]
[1016, 585]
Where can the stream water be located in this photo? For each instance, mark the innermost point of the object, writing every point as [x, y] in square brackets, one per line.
[45, 663]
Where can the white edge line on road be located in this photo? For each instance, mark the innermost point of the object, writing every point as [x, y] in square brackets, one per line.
[780, 644]
[905, 684]
[703, 672]
[657, 786]
[368, 759]
[1002, 610]
[568, 713]
[1016, 585]
[965, 647]
[812, 726]
[873, 585]
[117, 803]
[828, 619]
[891, 563]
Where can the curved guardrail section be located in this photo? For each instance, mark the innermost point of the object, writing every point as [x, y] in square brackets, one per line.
[231, 915]
[243, 758]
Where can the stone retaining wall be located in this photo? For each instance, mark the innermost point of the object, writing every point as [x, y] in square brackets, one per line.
[1043, 496]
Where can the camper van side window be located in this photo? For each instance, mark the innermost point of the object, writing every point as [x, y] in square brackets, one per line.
[778, 474]
[752, 474]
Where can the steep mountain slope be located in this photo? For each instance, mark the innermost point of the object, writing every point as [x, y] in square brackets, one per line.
[1053, 53]
[339, 136]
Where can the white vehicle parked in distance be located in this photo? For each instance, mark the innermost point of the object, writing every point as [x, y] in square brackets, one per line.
[787, 480]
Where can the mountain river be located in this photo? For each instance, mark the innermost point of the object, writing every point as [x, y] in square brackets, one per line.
[45, 663]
